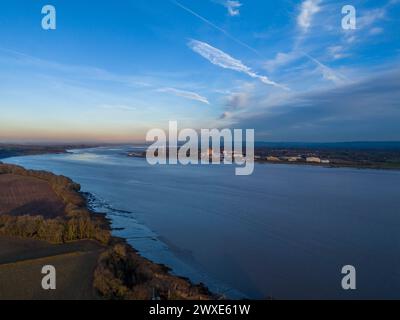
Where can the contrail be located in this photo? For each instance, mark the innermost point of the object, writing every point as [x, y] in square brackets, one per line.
[215, 26]
[327, 72]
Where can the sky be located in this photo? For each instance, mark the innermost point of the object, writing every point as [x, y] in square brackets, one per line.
[112, 70]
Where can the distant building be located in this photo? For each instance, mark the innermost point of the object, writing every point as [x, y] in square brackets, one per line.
[292, 159]
[238, 157]
[274, 159]
[325, 161]
[212, 154]
[313, 160]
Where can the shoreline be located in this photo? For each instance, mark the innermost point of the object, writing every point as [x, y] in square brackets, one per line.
[330, 166]
[335, 161]
[308, 164]
[121, 272]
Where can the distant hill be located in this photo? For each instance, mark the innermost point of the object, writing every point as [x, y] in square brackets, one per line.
[9, 150]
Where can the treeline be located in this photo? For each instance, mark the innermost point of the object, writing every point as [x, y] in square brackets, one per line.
[122, 274]
[12, 150]
[57, 231]
[78, 222]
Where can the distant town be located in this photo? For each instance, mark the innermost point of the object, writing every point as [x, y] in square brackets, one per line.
[373, 155]
[360, 155]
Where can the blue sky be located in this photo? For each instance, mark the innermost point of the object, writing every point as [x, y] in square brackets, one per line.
[114, 69]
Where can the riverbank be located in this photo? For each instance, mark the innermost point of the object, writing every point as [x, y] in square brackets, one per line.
[119, 272]
[327, 158]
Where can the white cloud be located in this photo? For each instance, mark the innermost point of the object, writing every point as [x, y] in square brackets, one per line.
[281, 59]
[308, 9]
[237, 100]
[367, 21]
[185, 94]
[284, 59]
[225, 115]
[370, 17]
[337, 52]
[375, 31]
[233, 7]
[328, 73]
[302, 114]
[211, 24]
[224, 60]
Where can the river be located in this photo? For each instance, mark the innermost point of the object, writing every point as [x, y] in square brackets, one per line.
[284, 232]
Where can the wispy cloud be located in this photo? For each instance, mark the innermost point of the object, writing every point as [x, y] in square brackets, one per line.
[328, 73]
[83, 76]
[226, 33]
[224, 116]
[368, 20]
[375, 31]
[224, 60]
[79, 71]
[337, 52]
[232, 6]
[280, 59]
[120, 107]
[371, 16]
[355, 111]
[308, 9]
[185, 94]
